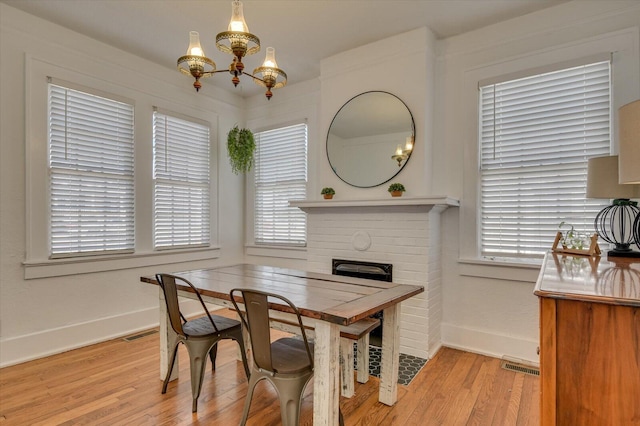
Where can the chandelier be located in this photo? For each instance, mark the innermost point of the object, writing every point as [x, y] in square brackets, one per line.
[239, 42]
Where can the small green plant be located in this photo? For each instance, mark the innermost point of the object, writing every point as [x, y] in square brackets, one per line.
[573, 239]
[327, 191]
[240, 149]
[396, 187]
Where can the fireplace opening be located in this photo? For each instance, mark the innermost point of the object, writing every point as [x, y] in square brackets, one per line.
[360, 269]
[368, 270]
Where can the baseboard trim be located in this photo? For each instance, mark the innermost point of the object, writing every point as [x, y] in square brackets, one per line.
[16, 350]
[490, 344]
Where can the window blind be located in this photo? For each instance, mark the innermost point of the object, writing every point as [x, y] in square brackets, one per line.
[280, 176]
[181, 182]
[536, 135]
[91, 173]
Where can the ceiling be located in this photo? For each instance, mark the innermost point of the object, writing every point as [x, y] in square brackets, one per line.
[302, 31]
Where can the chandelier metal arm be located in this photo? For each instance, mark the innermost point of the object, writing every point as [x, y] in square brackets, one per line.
[254, 77]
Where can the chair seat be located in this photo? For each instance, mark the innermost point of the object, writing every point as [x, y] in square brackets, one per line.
[201, 327]
[289, 355]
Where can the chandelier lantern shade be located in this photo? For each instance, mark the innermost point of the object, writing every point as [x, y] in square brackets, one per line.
[238, 42]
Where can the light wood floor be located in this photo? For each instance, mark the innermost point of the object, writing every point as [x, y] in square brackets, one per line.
[117, 383]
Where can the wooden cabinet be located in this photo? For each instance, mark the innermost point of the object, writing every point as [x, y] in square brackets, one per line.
[589, 340]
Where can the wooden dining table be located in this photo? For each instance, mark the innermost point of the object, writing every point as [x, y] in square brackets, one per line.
[325, 302]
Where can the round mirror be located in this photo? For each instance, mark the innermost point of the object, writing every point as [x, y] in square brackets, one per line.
[370, 139]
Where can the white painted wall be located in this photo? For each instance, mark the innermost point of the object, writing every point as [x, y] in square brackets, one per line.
[49, 315]
[486, 308]
[403, 65]
[490, 308]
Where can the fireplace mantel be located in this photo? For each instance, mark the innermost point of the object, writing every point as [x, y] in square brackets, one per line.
[427, 203]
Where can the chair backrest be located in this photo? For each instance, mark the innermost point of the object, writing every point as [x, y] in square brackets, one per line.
[170, 289]
[255, 318]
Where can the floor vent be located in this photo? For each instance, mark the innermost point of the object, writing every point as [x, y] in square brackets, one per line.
[520, 368]
[139, 335]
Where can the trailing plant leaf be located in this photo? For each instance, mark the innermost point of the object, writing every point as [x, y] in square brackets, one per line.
[240, 149]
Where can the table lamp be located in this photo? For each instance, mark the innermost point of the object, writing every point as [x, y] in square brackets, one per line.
[629, 137]
[614, 223]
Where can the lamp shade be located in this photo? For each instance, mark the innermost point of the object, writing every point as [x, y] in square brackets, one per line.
[629, 137]
[602, 180]
[237, 22]
[194, 44]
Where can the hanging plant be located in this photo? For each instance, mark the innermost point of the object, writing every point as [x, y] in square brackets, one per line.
[240, 148]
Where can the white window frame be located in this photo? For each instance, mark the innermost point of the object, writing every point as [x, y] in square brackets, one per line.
[622, 45]
[504, 170]
[190, 179]
[106, 79]
[301, 196]
[66, 138]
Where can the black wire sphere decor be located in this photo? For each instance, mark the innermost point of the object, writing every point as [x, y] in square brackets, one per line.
[616, 224]
[636, 230]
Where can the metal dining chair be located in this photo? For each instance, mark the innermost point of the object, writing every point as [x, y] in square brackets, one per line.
[286, 363]
[200, 335]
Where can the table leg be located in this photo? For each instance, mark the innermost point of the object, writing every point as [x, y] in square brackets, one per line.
[326, 379]
[346, 367]
[363, 359]
[390, 356]
[167, 335]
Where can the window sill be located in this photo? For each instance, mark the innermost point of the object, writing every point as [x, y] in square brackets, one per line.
[510, 269]
[86, 265]
[277, 251]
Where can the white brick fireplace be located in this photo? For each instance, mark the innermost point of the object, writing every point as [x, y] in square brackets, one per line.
[402, 231]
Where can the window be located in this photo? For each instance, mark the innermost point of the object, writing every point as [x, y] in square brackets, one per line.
[536, 135]
[280, 176]
[90, 141]
[181, 182]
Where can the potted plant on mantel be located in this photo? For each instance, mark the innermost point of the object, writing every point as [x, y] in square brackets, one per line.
[396, 189]
[240, 149]
[327, 193]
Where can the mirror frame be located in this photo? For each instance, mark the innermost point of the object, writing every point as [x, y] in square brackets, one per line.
[413, 134]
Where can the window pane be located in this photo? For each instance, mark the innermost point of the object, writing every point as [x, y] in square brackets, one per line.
[181, 190]
[91, 172]
[280, 176]
[536, 135]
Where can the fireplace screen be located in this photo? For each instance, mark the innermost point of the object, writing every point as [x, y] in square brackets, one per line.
[360, 269]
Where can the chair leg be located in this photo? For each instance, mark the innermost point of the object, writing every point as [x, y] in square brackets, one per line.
[253, 380]
[290, 392]
[197, 358]
[239, 338]
[172, 360]
[213, 353]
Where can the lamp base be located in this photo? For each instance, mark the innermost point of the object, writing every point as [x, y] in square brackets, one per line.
[630, 253]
